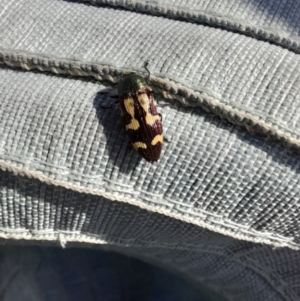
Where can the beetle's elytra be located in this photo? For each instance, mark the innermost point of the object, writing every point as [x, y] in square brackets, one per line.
[142, 122]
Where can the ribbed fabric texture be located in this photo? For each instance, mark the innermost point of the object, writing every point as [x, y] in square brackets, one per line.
[236, 269]
[275, 22]
[31, 273]
[222, 185]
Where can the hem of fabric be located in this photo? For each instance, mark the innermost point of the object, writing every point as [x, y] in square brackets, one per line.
[227, 228]
[199, 16]
[170, 90]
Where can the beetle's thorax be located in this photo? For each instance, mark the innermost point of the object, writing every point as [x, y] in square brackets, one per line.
[131, 83]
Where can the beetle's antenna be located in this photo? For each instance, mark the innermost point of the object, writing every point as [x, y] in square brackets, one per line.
[146, 67]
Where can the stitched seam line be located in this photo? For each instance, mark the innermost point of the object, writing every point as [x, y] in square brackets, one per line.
[247, 235]
[169, 89]
[203, 17]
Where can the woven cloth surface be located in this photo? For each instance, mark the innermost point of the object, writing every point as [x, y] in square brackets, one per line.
[236, 269]
[276, 22]
[66, 172]
[32, 273]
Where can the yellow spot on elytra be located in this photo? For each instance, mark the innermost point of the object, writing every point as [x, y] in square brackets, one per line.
[137, 145]
[144, 102]
[156, 139]
[129, 107]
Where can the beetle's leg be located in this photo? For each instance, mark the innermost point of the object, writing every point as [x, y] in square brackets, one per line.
[129, 148]
[109, 106]
[113, 93]
[146, 67]
[165, 138]
[108, 94]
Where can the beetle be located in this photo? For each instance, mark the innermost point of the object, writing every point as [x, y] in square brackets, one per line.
[143, 123]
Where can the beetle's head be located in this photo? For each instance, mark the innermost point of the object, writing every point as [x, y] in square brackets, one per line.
[131, 83]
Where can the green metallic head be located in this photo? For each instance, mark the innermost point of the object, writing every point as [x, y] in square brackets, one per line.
[131, 83]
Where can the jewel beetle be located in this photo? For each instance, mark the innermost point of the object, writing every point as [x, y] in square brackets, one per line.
[142, 122]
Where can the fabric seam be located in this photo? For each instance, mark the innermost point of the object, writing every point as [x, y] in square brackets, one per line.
[170, 90]
[222, 229]
[229, 23]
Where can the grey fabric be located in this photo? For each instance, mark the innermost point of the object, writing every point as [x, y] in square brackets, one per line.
[53, 274]
[275, 22]
[225, 191]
